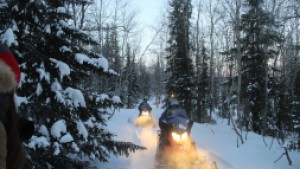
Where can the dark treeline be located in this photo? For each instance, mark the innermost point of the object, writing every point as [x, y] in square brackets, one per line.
[245, 57]
[263, 63]
[240, 58]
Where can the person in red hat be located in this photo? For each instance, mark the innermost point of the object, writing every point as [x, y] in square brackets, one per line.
[11, 150]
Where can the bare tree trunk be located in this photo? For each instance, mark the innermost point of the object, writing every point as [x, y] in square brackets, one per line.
[211, 67]
[239, 63]
[198, 60]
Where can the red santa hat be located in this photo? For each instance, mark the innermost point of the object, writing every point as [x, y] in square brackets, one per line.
[10, 73]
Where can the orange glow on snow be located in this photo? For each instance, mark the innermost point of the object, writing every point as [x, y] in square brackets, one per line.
[145, 121]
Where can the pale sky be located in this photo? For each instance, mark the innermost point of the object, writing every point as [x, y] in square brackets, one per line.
[149, 10]
[148, 15]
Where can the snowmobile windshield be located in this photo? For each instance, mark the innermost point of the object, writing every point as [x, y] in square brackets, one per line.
[173, 102]
[145, 109]
[176, 112]
[178, 122]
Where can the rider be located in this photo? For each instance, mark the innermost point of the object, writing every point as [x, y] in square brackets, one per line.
[163, 125]
[144, 105]
[172, 109]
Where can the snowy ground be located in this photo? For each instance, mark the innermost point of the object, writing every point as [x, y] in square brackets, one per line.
[215, 142]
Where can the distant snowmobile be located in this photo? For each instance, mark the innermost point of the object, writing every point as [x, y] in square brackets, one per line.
[145, 119]
[176, 149]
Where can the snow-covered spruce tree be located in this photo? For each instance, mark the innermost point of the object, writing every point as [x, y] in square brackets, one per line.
[258, 43]
[69, 117]
[179, 63]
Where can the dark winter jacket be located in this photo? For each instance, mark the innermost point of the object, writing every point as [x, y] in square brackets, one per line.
[144, 106]
[3, 150]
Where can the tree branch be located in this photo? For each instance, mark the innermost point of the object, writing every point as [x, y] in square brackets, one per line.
[287, 156]
[237, 132]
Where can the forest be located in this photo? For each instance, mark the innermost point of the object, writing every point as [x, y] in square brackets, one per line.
[83, 59]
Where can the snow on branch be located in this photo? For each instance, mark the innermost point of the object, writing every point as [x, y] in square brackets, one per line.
[38, 142]
[102, 98]
[75, 97]
[82, 131]
[43, 75]
[70, 96]
[82, 58]
[58, 128]
[100, 62]
[61, 10]
[63, 68]
[116, 100]
[44, 131]
[57, 89]
[9, 38]
[66, 138]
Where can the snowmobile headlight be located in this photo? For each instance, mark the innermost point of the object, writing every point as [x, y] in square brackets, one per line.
[176, 136]
[145, 113]
[179, 137]
[184, 136]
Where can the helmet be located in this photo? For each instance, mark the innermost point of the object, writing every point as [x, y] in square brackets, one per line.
[172, 103]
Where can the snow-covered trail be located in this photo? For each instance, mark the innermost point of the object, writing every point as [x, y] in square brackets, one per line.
[216, 142]
[122, 124]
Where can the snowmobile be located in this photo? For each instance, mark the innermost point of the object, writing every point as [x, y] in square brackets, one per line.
[145, 119]
[176, 149]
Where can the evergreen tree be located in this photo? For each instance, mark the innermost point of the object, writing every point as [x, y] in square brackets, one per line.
[179, 63]
[111, 50]
[131, 92]
[157, 78]
[133, 87]
[260, 34]
[143, 83]
[116, 58]
[125, 76]
[296, 107]
[116, 64]
[107, 46]
[203, 83]
[56, 67]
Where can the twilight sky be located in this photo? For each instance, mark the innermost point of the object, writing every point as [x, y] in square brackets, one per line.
[148, 10]
[148, 15]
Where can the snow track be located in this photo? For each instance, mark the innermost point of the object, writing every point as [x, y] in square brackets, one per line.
[214, 142]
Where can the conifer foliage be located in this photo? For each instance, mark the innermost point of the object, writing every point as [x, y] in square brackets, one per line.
[260, 37]
[55, 90]
[179, 63]
[202, 82]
